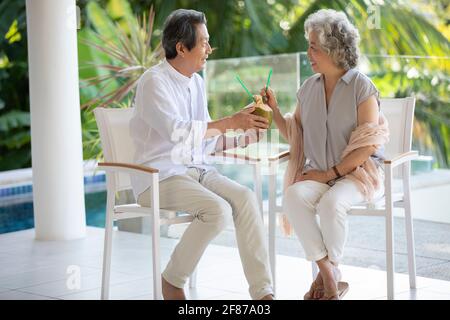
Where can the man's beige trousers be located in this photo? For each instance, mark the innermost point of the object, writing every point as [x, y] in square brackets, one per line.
[214, 200]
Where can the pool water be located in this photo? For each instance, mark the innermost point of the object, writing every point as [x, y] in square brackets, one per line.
[17, 217]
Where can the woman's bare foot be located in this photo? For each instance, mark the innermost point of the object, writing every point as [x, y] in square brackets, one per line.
[316, 290]
[171, 292]
[328, 274]
[268, 297]
[318, 293]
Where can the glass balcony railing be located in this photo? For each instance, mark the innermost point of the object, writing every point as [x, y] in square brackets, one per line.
[425, 78]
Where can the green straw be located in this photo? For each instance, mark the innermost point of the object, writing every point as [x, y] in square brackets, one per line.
[268, 79]
[267, 86]
[243, 86]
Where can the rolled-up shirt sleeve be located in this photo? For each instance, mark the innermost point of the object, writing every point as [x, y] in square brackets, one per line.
[160, 113]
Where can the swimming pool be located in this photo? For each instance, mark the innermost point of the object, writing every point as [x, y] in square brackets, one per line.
[16, 201]
[19, 216]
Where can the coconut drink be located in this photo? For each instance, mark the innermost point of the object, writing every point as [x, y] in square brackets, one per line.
[262, 109]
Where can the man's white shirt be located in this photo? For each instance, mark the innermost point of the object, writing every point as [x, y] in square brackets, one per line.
[169, 124]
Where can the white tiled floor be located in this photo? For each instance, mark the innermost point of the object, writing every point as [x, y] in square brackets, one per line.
[31, 269]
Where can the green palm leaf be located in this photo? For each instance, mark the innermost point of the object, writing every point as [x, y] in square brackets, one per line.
[128, 56]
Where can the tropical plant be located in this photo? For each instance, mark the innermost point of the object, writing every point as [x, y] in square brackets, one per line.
[427, 79]
[248, 27]
[119, 51]
[238, 28]
[15, 147]
[128, 47]
[390, 28]
[401, 31]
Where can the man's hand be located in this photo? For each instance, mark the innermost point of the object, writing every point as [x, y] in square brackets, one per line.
[242, 120]
[245, 120]
[315, 175]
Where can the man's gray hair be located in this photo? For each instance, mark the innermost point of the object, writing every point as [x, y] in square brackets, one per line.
[338, 37]
[180, 26]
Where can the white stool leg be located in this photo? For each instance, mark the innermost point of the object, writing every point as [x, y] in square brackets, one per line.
[409, 225]
[389, 234]
[314, 269]
[106, 270]
[157, 284]
[272, 225]
[257, 185]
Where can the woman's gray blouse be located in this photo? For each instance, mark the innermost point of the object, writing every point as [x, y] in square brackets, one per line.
[326, 132]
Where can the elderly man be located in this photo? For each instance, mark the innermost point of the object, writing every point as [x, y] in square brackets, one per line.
[173, 132]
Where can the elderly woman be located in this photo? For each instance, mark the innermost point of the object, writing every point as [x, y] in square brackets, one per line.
[336, 137]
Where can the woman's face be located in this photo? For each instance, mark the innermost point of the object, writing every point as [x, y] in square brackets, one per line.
[319, 59]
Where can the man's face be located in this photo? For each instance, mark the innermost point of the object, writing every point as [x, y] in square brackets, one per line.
[196, 58]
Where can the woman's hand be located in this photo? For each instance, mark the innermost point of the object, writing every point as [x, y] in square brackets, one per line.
[315, 175]
[270, 96]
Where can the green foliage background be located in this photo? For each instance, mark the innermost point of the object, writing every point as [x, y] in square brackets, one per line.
[242, 28]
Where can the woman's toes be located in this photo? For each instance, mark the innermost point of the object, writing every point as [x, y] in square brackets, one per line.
[318, 294]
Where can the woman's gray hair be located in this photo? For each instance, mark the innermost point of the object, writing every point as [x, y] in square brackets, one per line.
[337, 36]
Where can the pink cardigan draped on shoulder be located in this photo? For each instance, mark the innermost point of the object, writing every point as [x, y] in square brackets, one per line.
[366, 176]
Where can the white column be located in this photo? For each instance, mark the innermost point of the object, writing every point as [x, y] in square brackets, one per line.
[57, 160]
